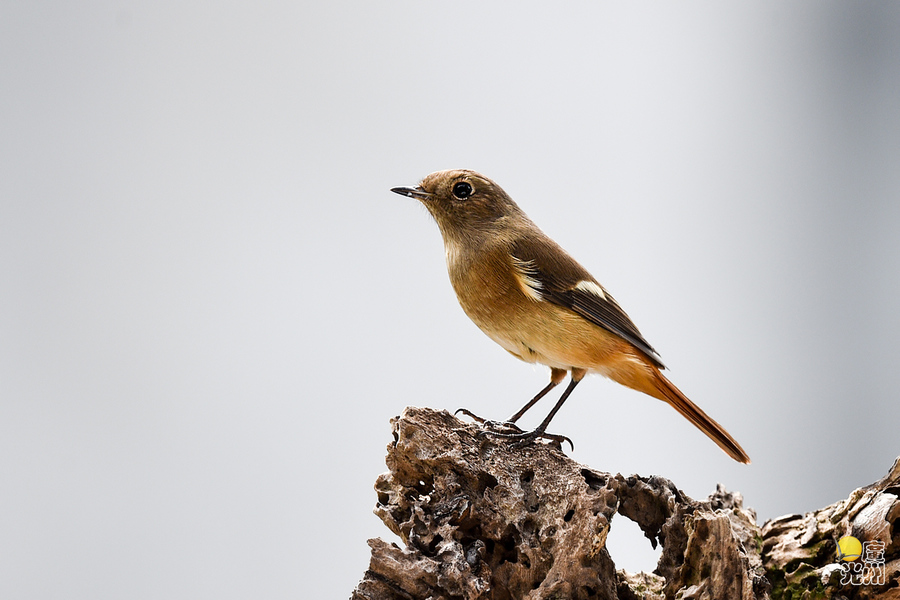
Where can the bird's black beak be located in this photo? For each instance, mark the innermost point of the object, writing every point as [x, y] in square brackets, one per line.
[416, 192]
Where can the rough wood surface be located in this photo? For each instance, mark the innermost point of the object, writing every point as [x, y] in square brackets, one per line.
[482, 519]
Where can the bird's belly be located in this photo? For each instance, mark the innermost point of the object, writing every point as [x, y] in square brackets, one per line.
[525, 350]
[557, 338]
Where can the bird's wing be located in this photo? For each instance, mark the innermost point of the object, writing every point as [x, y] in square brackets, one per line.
[554, 276]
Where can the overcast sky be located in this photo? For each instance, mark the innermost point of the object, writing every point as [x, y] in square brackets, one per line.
[211, 305]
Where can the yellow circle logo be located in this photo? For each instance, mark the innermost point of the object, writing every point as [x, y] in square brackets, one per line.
[849, 548]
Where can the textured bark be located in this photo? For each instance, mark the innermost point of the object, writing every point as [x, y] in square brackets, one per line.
[799, 550]
[482, 519]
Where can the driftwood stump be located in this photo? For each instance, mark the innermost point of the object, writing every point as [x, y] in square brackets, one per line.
[482, 519]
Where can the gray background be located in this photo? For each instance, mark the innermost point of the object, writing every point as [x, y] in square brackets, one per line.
[211, 305]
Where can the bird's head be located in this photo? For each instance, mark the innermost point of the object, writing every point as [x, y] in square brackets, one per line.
[464, 203]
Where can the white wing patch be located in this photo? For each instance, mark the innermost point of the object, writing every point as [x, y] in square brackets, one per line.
[591, 288]
[526, 276]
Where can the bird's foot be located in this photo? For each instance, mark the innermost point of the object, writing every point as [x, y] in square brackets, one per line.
[523, 438]
[511, 431]
[490, 425]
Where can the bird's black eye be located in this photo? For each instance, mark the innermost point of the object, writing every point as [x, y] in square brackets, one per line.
[462, 189]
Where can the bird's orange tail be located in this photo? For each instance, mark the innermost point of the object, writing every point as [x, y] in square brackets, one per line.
[666, 390]
[649, 380]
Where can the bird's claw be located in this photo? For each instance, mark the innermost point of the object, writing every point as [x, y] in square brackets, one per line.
[488, 426]
[513, 432]
[521, 438]
[469, 413]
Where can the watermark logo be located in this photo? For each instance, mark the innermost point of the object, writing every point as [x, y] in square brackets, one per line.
[849, 548]
[861, 563]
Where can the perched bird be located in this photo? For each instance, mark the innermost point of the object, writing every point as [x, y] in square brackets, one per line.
[528, 295]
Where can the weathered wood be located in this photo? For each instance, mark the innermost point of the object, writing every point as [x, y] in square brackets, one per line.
[482, 519]
[799, 550]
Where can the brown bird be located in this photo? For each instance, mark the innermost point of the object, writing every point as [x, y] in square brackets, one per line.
[528, 295]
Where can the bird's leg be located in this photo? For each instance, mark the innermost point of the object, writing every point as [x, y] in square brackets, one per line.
[541, 431]
[543, 426]
[556, 376]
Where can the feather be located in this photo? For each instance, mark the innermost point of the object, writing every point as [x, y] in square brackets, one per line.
[564, 282]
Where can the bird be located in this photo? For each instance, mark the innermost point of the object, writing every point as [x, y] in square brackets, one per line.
[532, 298]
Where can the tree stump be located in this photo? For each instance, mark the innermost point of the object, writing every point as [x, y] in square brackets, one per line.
[483, 519]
